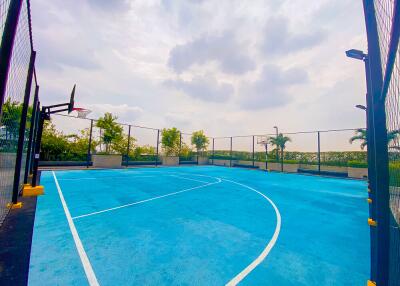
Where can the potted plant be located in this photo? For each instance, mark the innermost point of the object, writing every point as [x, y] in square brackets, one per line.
[170, 141]
[200, 141]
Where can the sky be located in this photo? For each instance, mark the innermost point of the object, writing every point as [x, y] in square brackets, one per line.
[227, 67]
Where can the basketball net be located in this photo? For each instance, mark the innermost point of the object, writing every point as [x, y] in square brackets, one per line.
[82, 112]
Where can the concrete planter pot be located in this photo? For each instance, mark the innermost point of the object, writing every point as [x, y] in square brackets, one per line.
[170, 160]
[202, 160]
[219, 162]
[358, 173]
[289, 168]
[107, 161]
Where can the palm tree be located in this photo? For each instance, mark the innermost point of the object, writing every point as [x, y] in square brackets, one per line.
[361, 134]
[280, 142]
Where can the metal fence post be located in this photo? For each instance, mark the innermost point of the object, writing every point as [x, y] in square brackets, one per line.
[32, 131]
[230, 154]
[213, 152]
[253, 150]
[371, 167]
[89, 151]
[379, 137]
[7, 44]
[266, 156]
[22, 126]
[281, 159]
[128, 147]
[34, 141]
[319, 152]
[158, 143]
[42, 117]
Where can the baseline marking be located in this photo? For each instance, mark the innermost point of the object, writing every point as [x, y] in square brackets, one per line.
[100, 178]
[90, 275]
[239, 277]
[147, 200]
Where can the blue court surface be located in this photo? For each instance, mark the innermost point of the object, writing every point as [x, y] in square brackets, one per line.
[199, 226]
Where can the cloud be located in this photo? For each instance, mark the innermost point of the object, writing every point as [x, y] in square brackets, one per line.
[223, 49]
[110, 6]
[123, 111]
[205, 88]
[272, 88]
[279, 40]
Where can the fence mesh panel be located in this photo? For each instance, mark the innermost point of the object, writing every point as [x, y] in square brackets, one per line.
[302, 149]
[27, 130]
[384, 15]
[386, 12]
[143, 146]
[4, 5]
[187, 150]
[12, 106]
[242, 150]
[72, 137]
[222, 153]
[339, 155]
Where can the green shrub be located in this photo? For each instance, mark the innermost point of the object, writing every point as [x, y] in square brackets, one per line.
[357, 164]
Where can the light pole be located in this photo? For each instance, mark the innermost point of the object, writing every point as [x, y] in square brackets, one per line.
[277, 151]
[368, 108]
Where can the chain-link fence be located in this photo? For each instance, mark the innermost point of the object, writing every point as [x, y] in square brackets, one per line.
[383, 82]
[17, 92]
[327, 152]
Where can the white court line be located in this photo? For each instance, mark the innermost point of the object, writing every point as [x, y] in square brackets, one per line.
[147, 200]
[204, 182]
[100, 178]
[239, 277]
[91, 277]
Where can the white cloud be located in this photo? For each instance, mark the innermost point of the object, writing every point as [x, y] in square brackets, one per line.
[271, 89]
[205, 88]
[223, 49]
[124, 112]
[279, 40]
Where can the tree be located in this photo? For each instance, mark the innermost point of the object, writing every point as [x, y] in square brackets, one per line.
[361, 135]
[280, 142]
[79, 143]
[200, 140]
[11, 118]
[170, 141]
[112, 131]
[120, 145]
[54, 145]
[143, 152]
[185, 151]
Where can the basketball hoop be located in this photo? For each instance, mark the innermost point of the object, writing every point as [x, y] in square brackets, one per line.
[262, 140]
[82, 112]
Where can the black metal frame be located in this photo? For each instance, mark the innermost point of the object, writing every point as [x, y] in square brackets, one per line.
[22, 126]
[44, 115]
[7, 45]
[89, 150]
[379, 151]
[128, 147]
[32, 132]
